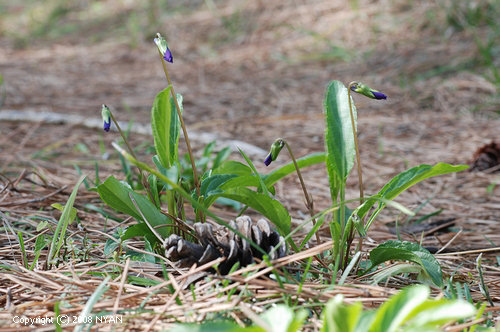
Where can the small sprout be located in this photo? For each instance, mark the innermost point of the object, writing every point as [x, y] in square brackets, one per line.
[106, 117]
[367, 91]
[162, 45]
[275, 151]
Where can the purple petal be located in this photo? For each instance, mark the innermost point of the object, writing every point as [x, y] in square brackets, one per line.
[268, 160]
[379, 95]
[107, 125]
[168, 56]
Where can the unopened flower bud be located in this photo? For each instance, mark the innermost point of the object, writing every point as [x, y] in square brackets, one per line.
[366, 91]
[274, 152]
[162, 45]
[106, 117]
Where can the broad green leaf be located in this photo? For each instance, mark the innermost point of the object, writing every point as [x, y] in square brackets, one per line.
[403, 181]
[392, 314]
[338, 317]
[165, 125]
[116, 195]
[408, 251]
[269, 207]
[212, 184]
[135, 230]
[232, 167]
[283, 319]
[437, 312]
[339, 137]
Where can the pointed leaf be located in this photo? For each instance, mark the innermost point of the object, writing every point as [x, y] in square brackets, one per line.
[165, 125]
[404, 180]
[339, 137]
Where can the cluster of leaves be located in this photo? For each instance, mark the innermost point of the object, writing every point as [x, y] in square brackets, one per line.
[173, 181]
[409, 310]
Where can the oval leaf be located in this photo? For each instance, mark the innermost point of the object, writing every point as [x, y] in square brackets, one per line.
[408, 251]
[269, 207]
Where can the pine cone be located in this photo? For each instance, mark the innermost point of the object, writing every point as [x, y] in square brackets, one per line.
[486, 157]
[225, 243]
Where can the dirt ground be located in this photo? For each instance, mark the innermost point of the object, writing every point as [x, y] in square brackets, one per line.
[254, 71]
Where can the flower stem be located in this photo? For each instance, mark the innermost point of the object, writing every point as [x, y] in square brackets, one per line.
[188, 144]
[358, 163]
[309, 200]
[122, 134]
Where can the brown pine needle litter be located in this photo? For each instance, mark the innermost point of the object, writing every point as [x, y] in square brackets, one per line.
[261, 80]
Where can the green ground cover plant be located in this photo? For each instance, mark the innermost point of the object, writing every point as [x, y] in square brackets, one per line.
[174, 181]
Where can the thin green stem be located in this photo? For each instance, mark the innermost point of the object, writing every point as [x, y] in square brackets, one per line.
[188, 144]
[356, 145]
[309, 200]
[122, 134]
[360, 173]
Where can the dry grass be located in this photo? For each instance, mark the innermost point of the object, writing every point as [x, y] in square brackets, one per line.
[263, 81]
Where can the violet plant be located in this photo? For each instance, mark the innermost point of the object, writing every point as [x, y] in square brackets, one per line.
[172, 182]
[341, 151]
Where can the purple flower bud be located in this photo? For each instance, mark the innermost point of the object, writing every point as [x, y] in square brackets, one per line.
[107, 124]
[367, 91]
[168, 56]
[162, 45]
[268, 159]
[106, 117]
[378, 95]
[275, 151]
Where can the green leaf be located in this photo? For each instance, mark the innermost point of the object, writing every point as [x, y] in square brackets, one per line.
[116, 195]
[171, 173]
[232, 167]
[337, 317]
[221, 156]
[60, 207]
[165, 125]
[212, 185]
[403, 181]
[247, 179]
[94, 298]
[339, 137]
[437, 312]
[282, 319]
[408, 251]
[392, 314]
[267, 206]
[60, 232]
